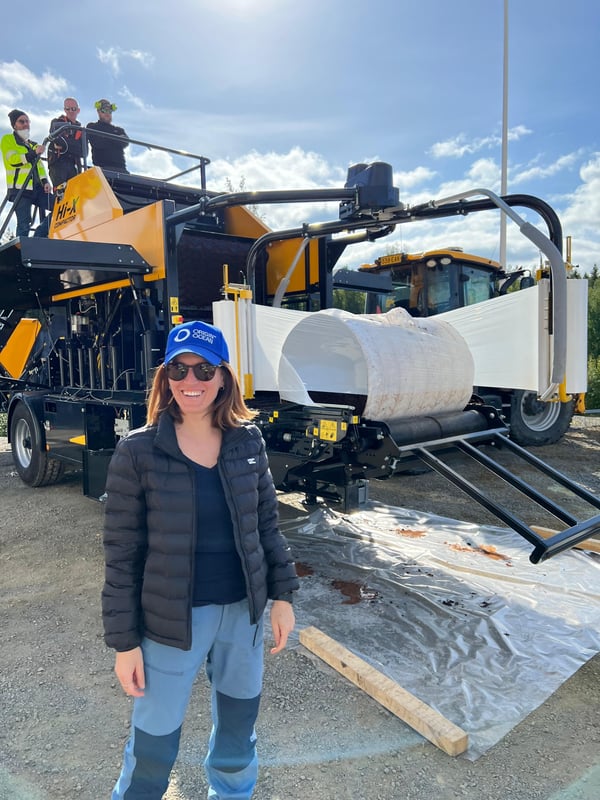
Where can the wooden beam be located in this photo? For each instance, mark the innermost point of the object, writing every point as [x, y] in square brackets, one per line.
[424, 719]
[586, 544]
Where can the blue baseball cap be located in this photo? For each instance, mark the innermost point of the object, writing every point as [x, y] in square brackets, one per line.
[199, 338]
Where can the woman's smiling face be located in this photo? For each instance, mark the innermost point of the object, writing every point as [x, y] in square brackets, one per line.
[194, 396]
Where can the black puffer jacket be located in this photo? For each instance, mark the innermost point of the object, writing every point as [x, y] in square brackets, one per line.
[149, 533]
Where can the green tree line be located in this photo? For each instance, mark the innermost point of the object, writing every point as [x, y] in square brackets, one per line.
[592, 399]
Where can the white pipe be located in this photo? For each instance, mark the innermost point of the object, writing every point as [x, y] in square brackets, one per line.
[283, 284]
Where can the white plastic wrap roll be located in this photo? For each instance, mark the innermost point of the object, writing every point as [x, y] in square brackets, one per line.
[390, 366]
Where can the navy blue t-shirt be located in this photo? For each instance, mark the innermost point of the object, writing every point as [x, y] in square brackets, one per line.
[218, 575]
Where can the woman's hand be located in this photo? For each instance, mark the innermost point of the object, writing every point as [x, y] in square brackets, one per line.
[129, 669]
[282, 623]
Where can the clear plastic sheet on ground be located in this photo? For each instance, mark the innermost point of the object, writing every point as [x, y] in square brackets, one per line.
[454, 612]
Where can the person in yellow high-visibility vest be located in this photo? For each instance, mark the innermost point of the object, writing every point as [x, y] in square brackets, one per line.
[23, 167]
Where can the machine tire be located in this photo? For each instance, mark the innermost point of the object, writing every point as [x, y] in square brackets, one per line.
[32, 463]
[534, 423]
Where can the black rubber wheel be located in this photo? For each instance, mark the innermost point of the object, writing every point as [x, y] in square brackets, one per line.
[533, 422]
[33, 464]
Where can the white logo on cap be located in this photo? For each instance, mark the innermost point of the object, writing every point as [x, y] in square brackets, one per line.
[181, 336]
[205, 336]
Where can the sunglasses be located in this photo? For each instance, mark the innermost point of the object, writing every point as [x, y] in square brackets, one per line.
[202, 371]
[71, 108]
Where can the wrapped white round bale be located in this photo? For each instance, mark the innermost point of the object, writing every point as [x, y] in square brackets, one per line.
[388, 366]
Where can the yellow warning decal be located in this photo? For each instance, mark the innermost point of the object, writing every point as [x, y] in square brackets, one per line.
[328, 430]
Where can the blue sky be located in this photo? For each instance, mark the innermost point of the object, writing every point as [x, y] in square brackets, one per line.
[282, 94]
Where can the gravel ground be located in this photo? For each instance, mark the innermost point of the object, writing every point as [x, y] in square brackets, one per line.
[63, 720]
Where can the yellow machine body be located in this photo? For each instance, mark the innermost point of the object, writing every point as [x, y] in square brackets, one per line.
[17, 349]
[89, 211]
[240, 221]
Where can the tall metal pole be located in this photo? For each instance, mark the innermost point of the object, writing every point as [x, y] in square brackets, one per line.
[504, 168]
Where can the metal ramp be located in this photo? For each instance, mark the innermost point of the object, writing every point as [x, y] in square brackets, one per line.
[469, 445]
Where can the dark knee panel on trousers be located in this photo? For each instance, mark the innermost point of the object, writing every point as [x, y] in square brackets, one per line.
[154, 758]
[234, 736]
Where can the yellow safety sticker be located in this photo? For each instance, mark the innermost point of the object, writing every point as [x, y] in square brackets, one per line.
[328, 430]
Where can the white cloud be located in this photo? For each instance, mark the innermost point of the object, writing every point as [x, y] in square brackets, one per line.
[159, 165]
[408, 180]
[145, 59]
[296, 169]
[534, 172]
[133, 99]
[18, 84]
[482, 173]
[114, 55]
[580, 218]
[460, 145]
[109, 57]
[292, 170]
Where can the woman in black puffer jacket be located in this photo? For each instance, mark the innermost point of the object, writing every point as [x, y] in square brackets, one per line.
[193, 552]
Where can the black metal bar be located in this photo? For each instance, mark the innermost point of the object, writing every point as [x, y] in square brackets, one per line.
[566, 539]
[70, 362]
[61, 367]
[279, 196]
[91, 367]
[15, 201]
[543, 548]
[10, 384]
[391, 217]
[42, 253]
[114, 366]
[518, 483]
[105, 135]
[313, 231]
[446, 442]
[476, 494]
[101, 361]
[557, 476]
[183, 172]
[80, 366]
[265, 197]
[463, 207]
[443, 429]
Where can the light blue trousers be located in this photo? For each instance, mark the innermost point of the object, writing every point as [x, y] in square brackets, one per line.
[232, 650]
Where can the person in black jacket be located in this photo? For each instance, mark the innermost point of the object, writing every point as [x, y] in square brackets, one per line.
[193, 552]
[108, 152]
[65, 150]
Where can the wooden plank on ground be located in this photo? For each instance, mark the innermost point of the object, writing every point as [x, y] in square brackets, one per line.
[424, 719]
[586, 544]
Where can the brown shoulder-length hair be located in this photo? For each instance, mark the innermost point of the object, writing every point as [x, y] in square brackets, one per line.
[229, 408]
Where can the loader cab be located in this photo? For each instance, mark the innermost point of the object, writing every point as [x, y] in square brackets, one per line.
[430, 283]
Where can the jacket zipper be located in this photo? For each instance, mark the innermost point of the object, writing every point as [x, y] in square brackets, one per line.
[192, 557]
[233, 510]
